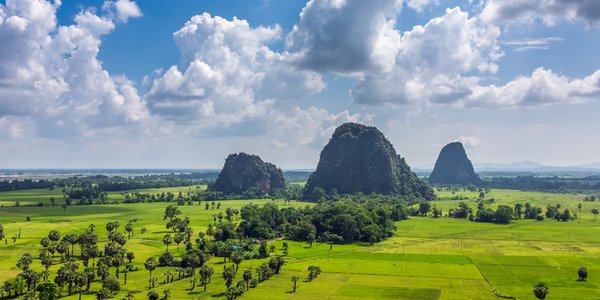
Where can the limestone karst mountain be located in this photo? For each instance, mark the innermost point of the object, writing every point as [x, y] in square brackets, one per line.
[454, 167]
[359, 159]
[243, 171]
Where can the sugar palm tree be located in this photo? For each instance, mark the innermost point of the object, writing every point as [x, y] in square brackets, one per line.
[540, 290]
[150, 265]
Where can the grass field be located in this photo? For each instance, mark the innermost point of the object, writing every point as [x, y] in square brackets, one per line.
[426, 259]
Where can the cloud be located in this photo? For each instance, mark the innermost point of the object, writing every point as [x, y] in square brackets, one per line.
[542, 87]
[227, 75]
[345, 36]
[50, 74]
[471, 141]
[122, 10]
[548, 11]
[532, 43]
[419, 5]
[432, 61]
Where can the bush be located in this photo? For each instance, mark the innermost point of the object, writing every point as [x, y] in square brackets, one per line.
[165, 259]
[540, 218]
[28, 218]
[253, 283]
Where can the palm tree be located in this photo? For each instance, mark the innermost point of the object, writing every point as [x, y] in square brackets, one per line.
[150, 265]
[167, 240]
[247, 278]
[583, 274]
[205, 273]
[129, 229]
[237, 260]
[228, 275]
[276, 263]
[179, 237]
[295, 279]
[81, 280]
[540, 290]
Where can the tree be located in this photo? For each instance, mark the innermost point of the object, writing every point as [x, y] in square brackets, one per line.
[540, 290]
[276, 263]
[112, 226]
[583, 274]
[295, 280]
[579, 205]
[595, 212]
[71, 239]
[24, 262]
[171, 212]
[130, 256]
[90, 275]
[111, 284]
[102, 294]
[81, 280]
[64, 207]
[102, 270]
[54, 235]
[518, 210]
[47, 262]
[31, 277]
[310, 239]
[262, 250]
[166, 259]
[503, 214]
[66, 275]
[437, 212]
[193, 259]
[129, 229]
[313, 272]
[237, 260]
[2, 234]
[179, 237]
[150, 265]
[424, 208]
[48, 291]
[153, 295]
[206, 273]
[228, 276]
[210, 231]
[247, 277]
[167, 240]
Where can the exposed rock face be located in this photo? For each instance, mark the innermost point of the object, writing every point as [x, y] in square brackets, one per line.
[454, 167]
[244, 171]
[359, 158]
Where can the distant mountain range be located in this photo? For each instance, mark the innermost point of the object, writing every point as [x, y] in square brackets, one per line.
[526, 166]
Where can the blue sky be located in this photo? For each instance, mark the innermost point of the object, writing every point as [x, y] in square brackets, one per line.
[183, 83]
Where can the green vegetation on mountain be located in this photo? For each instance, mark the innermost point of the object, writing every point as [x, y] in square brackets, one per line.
[359, 159]
[243, 172]
[454, 167]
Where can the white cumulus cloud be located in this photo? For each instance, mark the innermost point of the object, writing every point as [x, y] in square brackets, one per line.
[432, 61]
[50, 74]
[345, 35]
[542, 87]
[122, 10]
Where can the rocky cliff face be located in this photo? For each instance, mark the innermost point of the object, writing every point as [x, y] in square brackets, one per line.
[454, 167]
[359, 158]
[244, 171]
